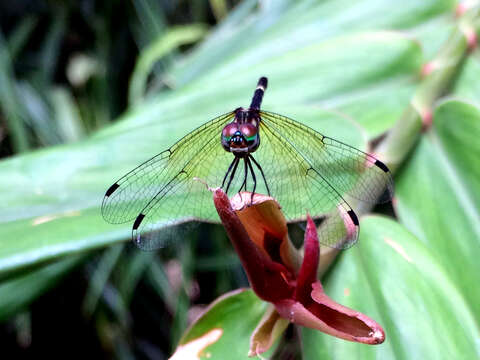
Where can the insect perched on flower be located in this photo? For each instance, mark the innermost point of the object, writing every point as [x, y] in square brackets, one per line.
[249, 149]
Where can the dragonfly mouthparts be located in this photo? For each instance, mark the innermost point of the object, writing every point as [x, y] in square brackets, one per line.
[237, 150]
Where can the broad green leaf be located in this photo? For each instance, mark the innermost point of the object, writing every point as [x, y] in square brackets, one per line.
[224, 330]
[54, 208]
[43, 238]
[392, 277]
[458, 126]
[433, 33]
[350, 74]
[51, 198]
[284, 26]
[438, 194]
[467, 87]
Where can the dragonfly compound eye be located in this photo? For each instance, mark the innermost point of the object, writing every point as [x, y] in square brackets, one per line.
[240, 139]
[250, 134]
[228, 133]
[248, 130]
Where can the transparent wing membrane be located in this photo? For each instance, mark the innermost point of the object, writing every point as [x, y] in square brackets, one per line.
[300, 189]
[171, 204]
[154, 191]
[344, 167]
[305, 171]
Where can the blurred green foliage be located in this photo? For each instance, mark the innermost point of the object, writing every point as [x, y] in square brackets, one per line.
[89, 89]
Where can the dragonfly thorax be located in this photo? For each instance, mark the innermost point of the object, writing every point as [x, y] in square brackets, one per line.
[240, 138]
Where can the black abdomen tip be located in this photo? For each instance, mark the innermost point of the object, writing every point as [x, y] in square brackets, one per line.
[263, 81]
[381, 166]
[111, 189]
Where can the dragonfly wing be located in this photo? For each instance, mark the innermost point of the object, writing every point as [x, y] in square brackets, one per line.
[158, 176]
[300, 189]
[346, 168]
[128, 195]
[184, 198]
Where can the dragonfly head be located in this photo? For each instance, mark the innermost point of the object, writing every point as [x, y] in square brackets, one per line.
[240, 139]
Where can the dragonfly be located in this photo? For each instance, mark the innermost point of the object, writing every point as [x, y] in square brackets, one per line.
[254, 151]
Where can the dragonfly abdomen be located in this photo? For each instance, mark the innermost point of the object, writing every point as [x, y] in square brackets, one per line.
[258, 94]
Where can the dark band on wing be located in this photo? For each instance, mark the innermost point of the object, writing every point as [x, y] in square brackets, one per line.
[382, 166]
[138, 221]
[353, 216]
[111, 189]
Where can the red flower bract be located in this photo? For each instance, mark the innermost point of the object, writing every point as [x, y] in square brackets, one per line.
[258, 232]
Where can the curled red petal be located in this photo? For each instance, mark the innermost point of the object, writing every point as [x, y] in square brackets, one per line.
[326, 315]
[308, 271]
[267, 227]
[267, 278]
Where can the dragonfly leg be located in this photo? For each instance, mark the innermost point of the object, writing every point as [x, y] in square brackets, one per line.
[244, 184]
[232, 175]
[261, 171]
[228, 171]
[253, 176]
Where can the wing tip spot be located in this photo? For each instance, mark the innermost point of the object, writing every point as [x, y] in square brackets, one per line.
[382, 166]
[111, 189]
[138, 221]
[353, 216]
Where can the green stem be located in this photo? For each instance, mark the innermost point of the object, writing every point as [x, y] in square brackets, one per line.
[401, 139]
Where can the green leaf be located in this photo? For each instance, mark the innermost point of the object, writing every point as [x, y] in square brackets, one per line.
[9, 102]
[67, 117]
[228, 323]
[38, 114]
[349, 74]
[392, 277]
[438, 194]
[219, 8]
[49, 53]
[467, 87]
[51, 198]
[20, 35]
[100, 277]
[157, 278]
[18, 292]
[152, 21]
[47, 237]
[163, 45]
[252, 34]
